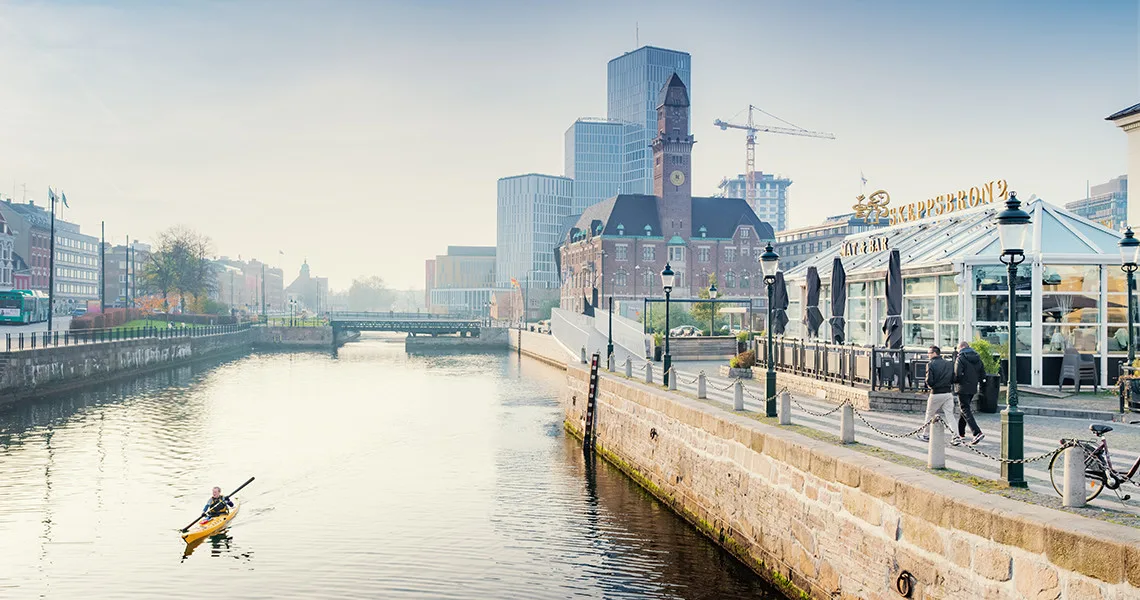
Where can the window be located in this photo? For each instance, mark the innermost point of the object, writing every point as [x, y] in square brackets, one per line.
[620, 279]
[648, 254]
[730, 280]
[745, 232]
[676, 253]
[730, 254]
[621, 251]
[647, 279]
[744, 282]
[703, 254]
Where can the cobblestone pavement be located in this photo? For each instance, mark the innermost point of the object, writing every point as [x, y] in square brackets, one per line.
[1042, 434]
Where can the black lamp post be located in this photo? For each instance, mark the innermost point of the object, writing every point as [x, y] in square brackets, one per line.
[1129, 257]
[712, 309]
[769, 264]
[1012, 225]
[667, 277]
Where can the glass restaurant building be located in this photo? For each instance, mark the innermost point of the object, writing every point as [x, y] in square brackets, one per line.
[1070, 289]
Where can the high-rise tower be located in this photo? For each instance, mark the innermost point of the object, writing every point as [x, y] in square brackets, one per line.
[672, 158]
[634, 80]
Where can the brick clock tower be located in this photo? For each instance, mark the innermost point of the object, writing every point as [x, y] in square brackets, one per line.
[672, 160]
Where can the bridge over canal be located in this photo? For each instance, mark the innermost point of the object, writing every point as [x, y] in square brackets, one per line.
[412, 323]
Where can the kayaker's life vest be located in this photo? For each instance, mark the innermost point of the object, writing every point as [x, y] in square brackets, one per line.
[218, 507]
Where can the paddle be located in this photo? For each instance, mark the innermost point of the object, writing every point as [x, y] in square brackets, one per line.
[186, 528]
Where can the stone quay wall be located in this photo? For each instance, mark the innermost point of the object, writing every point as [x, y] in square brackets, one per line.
[489, 338]
[31, 373]
[285, 338]
[823, 521]
[540, 346]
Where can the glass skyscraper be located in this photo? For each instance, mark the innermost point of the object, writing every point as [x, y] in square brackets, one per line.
[771, 196]
[634, 81]
[594, 161]
[531, 209]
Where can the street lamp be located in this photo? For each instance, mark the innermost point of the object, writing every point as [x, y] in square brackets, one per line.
[610, 335]
[1130, 256]
[769, 264]
[667, 277]
[1012, 225]
[712, 309]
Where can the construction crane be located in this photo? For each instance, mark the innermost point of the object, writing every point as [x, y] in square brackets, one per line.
[752, 129]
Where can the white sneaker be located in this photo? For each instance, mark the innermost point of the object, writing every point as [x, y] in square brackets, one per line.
[977, 438]
[957, 440]
[923, 438]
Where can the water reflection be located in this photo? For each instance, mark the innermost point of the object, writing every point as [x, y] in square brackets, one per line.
[379, 474]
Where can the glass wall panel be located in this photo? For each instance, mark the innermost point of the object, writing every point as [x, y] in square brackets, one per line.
[948, 337]
[1118, 337]
[995, 308]
[949, 308]
[999, 335]
[1070, 278]
[1058, 338]
[995, 278]
[1070, 308]
[918, 309]
[918, 334]
[946, 285]
[919, 285]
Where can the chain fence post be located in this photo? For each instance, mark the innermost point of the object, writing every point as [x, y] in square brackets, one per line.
[648, 372]
[673, 378]
[629, 366]
[936, 446]
[785, 408]
[610, 363]
[583, 355]
[702, 386]
[847, 424]
[738, 396]
[1074, 489]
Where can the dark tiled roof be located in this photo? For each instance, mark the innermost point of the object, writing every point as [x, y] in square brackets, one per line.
[1131, 110]
[721, 216]
[632, 211]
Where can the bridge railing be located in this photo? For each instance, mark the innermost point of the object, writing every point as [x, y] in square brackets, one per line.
[14, 342]
[397, 316]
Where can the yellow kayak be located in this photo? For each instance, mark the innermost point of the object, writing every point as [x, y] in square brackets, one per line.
[208, 527]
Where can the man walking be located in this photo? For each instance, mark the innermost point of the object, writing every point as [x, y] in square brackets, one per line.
[939, 378]
[968, 372]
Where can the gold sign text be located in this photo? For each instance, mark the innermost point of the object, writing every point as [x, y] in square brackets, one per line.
[948, 203]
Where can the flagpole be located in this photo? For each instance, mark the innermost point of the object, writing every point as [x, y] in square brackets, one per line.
[51, 264]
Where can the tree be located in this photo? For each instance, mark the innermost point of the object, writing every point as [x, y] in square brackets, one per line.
[180, 264]
[369, 294]
[704, 314]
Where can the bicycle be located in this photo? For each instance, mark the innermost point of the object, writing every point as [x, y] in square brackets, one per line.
[1099, 472]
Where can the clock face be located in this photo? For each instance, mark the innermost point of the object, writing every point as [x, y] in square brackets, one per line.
[677, 178]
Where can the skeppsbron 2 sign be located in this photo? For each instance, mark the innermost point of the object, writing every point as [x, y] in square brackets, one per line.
[877, 205]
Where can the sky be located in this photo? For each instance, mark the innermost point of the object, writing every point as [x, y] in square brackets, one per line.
[367, 136]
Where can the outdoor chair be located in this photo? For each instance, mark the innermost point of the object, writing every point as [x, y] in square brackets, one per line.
[1078, 368]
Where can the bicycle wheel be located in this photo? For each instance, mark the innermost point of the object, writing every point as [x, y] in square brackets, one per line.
[1094, 484]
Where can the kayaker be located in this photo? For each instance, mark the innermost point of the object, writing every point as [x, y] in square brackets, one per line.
[217, 504]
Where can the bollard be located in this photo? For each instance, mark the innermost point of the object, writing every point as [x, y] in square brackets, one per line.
[648, 372]
[785, 408]
[628, 366]
[702, 391]
[583, 355]
[936, 451]
[673, 379]
[1074, 488]
[847, 424]
[738, 396]
[610, 363]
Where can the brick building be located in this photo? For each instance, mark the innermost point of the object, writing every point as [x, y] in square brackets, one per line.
[620, 246]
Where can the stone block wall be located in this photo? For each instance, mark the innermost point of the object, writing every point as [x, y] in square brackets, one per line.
[27, 373]
[540, 346]
[489, 338]
[293, 337]
[824, 521]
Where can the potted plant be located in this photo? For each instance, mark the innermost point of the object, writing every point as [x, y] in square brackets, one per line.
[742, 341]
[658, 346]
[991, 383]
[740, 366]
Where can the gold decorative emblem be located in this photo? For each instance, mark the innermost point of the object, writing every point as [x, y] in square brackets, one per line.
[872, 208]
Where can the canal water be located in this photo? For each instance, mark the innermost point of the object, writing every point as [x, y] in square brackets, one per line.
[379, 475]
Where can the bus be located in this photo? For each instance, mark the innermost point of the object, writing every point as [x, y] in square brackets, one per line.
[23, 306]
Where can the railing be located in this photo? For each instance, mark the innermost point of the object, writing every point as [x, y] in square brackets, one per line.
[849, 364]
[400, 316]
[74, 337]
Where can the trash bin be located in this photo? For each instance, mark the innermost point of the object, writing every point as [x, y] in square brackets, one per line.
[987, 402]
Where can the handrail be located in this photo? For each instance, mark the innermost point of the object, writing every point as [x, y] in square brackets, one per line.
[75, 337]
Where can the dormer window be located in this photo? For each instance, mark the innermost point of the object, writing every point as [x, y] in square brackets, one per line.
[648, 231]
[621, 229]
[744, 233]
[704, 232]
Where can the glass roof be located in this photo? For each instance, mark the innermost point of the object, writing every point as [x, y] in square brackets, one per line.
[971, 236]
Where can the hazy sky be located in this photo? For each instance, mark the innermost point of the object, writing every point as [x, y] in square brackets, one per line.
[367, 136]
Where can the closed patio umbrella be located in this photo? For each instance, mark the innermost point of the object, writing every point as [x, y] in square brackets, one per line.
[779, 305]
[892, 325]
[813, 318]
[838, 301]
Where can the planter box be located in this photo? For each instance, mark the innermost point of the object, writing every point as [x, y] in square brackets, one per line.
[989, 388]
[735, 373]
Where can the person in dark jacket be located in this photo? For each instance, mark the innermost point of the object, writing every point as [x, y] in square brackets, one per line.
[968, 374]
[218, 504]
[940, 380]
